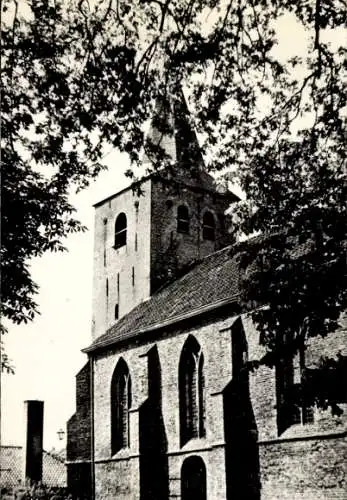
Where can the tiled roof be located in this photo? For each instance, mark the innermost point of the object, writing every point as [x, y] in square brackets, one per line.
[212, 281]
[11, 459]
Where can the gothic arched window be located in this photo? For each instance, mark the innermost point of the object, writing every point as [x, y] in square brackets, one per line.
[208, 226]
[120, 235]
[191, 391]
[182, 219]
[120, 406]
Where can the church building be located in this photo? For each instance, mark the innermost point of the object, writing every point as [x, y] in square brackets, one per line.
[164, 406]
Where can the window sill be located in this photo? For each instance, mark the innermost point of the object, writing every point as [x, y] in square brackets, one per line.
[298, 431]
[312, 434]
[194, 443]
[121, 454]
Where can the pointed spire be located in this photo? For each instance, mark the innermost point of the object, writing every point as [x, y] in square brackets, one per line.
[171, 133]
[188, 150]
[161, 136]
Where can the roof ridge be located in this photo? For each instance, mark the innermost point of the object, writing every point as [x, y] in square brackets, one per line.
[217, 252]
[174, 319]
[184, 271]
[207, 283]
[53, 455]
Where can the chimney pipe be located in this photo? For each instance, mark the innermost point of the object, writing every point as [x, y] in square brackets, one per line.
[33, 445]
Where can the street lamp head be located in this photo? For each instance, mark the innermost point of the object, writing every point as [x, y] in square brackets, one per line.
[61, 434]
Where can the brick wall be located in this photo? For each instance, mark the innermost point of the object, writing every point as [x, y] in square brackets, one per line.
[305, 462]
[153, 244]
[79, 480]
[78, 449]
[110, 262]
[174, 250]
[217, 356]
[304, 469]
[117, 479]
[79, 425]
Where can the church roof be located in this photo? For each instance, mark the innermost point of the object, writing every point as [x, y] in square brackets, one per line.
[210, 283]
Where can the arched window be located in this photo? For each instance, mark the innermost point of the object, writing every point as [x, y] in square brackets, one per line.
[120, 236]
[182, 219]
[201, 389]
[120, 406]
[208, 226]
[191, 391]
[193, 479]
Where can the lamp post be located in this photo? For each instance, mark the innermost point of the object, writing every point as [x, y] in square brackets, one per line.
[61, 434]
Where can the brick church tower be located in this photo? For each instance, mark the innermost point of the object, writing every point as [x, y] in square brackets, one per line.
[142, 240]
[166, 406]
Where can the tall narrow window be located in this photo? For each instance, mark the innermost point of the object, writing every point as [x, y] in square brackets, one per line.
[120, 406]
[191, 391]
[133, 276]
[208, 226]
[105, 240]
[116, 311]
[182, 219]
[292, 405]
[106, 287]
[136, 205]
[120, 238]
[201, 389]
[135, 242]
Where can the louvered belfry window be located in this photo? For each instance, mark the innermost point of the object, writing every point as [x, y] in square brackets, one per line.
[120, 406]
[208, 226]
[182, 219]
[191, 391]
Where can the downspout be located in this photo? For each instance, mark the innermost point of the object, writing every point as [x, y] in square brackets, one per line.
[92, 462]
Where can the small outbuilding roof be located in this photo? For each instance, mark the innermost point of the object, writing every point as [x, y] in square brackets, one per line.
[11, 459]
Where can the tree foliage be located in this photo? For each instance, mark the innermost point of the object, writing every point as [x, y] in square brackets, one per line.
[79, 76]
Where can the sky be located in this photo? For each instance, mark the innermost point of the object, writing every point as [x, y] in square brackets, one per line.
[47, 353]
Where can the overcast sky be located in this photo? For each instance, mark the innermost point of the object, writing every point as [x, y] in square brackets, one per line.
[47, 353]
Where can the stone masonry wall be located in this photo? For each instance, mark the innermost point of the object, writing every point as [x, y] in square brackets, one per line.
[79, 425]
[214, 339]
[110, 262]
[304, 469]
[78, 449]
[305, 462]
[174, 249]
